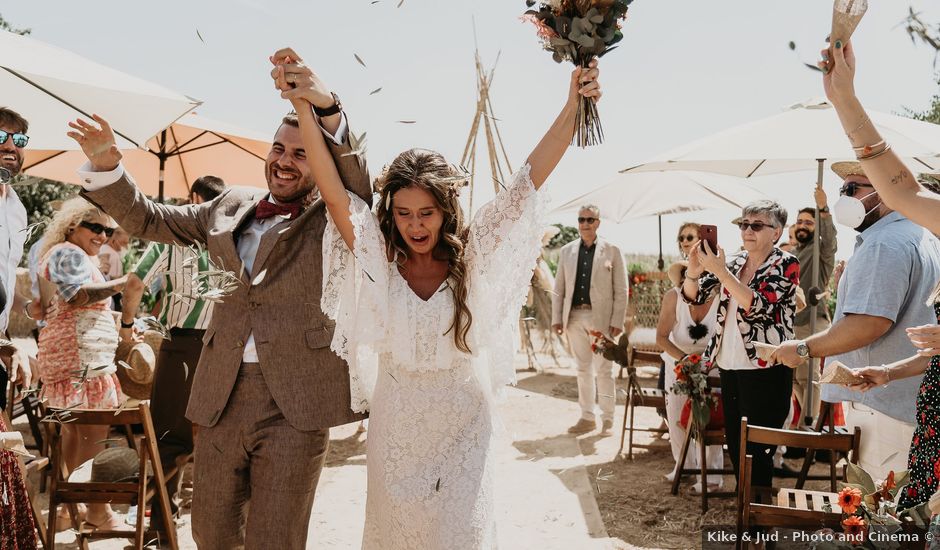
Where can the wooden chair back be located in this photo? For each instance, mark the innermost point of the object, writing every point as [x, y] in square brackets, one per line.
[800, 509]
[64, 491]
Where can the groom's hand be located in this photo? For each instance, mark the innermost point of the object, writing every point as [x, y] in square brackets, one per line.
[295, 80]
[97, 142]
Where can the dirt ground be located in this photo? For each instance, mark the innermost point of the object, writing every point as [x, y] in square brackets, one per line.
[636, 509]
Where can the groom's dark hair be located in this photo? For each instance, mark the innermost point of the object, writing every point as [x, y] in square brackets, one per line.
[291, 119]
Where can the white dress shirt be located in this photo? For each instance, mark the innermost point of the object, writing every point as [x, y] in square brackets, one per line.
[13, 224]
[250, 236]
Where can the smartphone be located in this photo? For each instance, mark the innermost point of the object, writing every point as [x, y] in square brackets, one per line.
[709, 234]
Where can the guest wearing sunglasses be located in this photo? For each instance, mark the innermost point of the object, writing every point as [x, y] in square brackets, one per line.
[590, 294]
[684, 329]
[17, 527]
[756, 291]
[883, 291]
[76, 348]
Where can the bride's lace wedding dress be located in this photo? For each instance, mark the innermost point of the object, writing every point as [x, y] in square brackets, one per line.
[430, 436]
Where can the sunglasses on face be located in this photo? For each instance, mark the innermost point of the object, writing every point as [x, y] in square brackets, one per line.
[19, 139]
[98, 229]
[586, 220]
[686, 238]
[755, 226]
[851, 187]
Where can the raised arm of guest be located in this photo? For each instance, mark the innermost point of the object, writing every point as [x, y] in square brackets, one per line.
[895, 183]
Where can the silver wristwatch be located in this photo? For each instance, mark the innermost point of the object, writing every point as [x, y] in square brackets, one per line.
[802, 350]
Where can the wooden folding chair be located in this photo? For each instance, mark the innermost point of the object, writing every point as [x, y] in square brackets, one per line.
[794, 508]
[638, 396]
[63, 491]
[706, 439]
[825, 424]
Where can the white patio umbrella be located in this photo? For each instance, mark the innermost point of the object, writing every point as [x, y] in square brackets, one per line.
[51, 86]
[805, 136]
[636, 195]
[191, 147]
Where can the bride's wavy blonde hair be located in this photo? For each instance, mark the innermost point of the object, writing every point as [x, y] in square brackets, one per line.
[427, 170]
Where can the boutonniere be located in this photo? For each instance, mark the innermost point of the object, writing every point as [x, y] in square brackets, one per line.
[609, 265]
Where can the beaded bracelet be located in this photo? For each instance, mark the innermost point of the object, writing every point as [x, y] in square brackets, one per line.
[860, 126]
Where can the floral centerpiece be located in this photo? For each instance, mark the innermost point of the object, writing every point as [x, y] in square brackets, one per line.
[703, 408]
[870, 515]
[580, 31]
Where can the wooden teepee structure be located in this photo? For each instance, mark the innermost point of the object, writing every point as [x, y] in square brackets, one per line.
[494, 143]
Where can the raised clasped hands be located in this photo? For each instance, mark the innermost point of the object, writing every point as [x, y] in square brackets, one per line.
[97, 142]
[297, 82]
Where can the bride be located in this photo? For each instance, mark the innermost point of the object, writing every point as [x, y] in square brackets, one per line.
[425, 307]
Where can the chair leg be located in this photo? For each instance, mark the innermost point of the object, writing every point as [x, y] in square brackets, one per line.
[680, 465]
[632, 417]
[623, 428]
[703, 466]
[141, 498]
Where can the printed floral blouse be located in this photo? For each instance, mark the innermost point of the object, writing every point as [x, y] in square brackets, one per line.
[773, 308]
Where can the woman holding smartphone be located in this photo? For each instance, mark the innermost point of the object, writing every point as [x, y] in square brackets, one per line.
[756, 292]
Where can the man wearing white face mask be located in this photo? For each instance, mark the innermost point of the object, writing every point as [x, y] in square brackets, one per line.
[884, 290]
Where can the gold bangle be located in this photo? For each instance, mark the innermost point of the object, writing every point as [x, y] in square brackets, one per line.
[867, 149]
[874, 155]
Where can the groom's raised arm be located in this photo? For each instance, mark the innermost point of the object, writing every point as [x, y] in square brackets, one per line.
[107, 185]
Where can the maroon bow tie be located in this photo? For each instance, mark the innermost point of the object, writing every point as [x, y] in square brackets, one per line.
[267, 209]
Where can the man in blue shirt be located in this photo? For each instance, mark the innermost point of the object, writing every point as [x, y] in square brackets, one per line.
[883, 291]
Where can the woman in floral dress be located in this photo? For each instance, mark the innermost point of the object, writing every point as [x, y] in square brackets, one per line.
[426, 310]
[923, 462]
[77, 345]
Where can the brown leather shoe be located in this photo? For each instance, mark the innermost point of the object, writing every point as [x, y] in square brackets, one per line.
[582, 427]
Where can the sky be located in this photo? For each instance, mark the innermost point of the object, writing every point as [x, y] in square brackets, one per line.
[685, 69]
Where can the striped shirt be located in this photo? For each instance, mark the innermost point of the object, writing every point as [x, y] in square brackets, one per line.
[177, 265]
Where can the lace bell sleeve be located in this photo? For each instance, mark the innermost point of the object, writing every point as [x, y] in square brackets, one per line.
[355, 296]
[504, 242]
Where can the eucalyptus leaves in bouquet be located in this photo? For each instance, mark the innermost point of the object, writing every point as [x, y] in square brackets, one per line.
[691, 381]
[580, 31]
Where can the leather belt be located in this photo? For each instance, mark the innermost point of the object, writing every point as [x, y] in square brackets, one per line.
[581, 306]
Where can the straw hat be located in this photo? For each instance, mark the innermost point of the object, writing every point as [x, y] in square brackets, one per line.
[676, 272]
[548, 234]
[848, 168]
[115, 465]
[137, 377]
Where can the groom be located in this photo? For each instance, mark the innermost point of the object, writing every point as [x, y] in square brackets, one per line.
[267, 388]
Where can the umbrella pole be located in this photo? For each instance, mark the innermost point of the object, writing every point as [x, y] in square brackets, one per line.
[660, 263]
[162, 157]
[812, 302]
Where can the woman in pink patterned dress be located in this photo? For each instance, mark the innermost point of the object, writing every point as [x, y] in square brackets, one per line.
[76, 348]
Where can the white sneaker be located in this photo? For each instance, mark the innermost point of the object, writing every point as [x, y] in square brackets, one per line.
[131, 517]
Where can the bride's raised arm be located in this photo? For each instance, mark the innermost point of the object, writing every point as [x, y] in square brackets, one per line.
[557, 139]
[321, 163]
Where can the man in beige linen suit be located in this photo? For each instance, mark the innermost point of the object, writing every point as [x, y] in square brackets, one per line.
[590, 294]
[267, 388]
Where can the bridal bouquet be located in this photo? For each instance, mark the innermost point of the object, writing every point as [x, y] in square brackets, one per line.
[579, 31]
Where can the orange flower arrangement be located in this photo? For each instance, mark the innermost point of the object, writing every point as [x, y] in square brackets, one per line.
[849, 499]
[855, 528]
